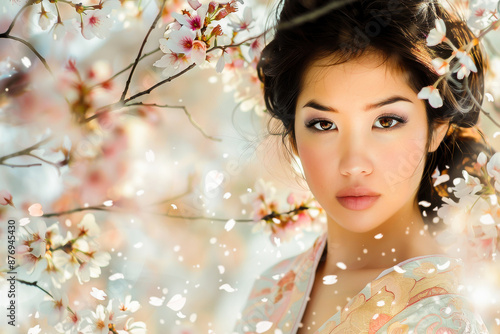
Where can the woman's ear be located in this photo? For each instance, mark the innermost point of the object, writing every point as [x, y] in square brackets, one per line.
[438, 134]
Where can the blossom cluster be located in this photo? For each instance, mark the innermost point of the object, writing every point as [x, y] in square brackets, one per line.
[94, 20]
[485, 14]
[279, 223]
[473, 220]
[55, 258]
[197, 36]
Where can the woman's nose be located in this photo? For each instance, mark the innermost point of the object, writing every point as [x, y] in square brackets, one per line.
[355, 157]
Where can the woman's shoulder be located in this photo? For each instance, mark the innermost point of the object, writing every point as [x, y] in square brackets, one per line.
[279, 292]
[418, 294]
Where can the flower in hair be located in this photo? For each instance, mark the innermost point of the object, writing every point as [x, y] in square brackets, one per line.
[431, 93]
[466, 65]
[438, 34]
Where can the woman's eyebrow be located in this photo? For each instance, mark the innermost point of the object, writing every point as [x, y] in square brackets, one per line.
[393, 99]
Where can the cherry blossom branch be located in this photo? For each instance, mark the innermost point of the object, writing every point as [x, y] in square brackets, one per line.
[124, 93]
[188, 191]
[67, 212]
[484, 111]
[35, 284]
[27, 152]
[241, 220]
[150, 89]
[125, 69]
[224, 47]
[31, 47]
[11, 26]
[190, 117]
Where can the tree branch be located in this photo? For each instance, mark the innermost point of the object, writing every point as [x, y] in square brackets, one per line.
[125, 69]
[193, 122]
[31, 47]
[484, 111]
[124, 93]
[26, 151]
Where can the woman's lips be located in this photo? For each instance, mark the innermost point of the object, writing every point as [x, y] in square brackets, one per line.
[357, 202]
[357, 198]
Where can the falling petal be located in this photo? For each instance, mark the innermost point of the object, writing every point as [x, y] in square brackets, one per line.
[399, 270]
[229, 225]
[35, 210]
[226, 287]
[221, 269]
[177, 302]
[444, 266]
[329, 279]
[116, 276]
[379, 236]
[98, 294]
[489, 97]
[263, 326]
[341, 265]
[155, 301]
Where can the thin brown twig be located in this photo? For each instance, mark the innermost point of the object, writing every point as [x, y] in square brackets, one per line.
[127, 84]
[67, 212]
[125, 69]
[11, 26]
[31, 47]
[188, 114]
[150, 89]
[484, 111]
[35, 284]
[26, 151]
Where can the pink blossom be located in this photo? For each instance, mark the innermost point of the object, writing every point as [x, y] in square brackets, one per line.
[97, 23]
[183, 41]
[173, 63]
[244, 23]
[6, 198]
[431, 93]
[194, 22]
[256, 48]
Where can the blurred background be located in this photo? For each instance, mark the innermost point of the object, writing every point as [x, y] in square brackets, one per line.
[165, 184]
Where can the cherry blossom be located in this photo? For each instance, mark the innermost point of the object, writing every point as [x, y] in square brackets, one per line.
[431, 93]
[133, 327]
[6, 198]
[97, 23]
[466, 186]
[483, 13]
[466, 65]
[46, 18]
[438, 34]
[441, 66]
[183, 41]
[244, 23]
[173, 63]
[193, 22]
[55, 309]
[98, 321]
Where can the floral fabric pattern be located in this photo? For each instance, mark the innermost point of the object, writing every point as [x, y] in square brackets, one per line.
[420, 295]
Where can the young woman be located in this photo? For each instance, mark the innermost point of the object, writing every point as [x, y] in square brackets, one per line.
[345, 83]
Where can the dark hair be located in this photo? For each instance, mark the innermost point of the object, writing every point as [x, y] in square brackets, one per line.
[308, 30]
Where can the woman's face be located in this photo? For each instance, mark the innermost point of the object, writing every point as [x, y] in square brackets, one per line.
[361, 136]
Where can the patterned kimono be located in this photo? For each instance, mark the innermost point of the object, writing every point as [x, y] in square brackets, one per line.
[420, 295]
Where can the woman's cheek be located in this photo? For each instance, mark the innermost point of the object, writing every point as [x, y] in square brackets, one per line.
[402, 164]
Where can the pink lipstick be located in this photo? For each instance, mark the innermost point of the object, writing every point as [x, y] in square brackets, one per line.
[357, 198]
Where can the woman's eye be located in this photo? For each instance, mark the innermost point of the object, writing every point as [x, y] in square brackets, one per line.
[387, 122]
[322, 125]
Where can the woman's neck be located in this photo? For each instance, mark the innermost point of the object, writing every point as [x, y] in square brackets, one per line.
[402, 237]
